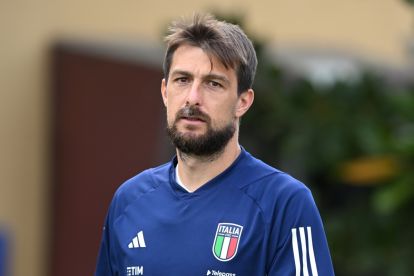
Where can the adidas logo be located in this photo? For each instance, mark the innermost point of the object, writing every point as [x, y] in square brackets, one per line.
[138, 241]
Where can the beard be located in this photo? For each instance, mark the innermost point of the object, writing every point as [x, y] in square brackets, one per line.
[208, 144]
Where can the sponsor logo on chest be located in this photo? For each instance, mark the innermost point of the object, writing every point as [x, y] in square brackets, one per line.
[226, 241]
[219, 273]
[134, 270]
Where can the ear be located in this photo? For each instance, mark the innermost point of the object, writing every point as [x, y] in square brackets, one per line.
[164, 92]
[244, 102]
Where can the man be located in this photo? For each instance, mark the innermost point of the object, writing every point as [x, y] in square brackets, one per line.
[214, 209]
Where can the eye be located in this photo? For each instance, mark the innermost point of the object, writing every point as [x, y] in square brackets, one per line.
[181, 80]
[214, 84]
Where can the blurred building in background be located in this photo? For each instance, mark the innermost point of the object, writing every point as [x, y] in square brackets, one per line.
[68, 67]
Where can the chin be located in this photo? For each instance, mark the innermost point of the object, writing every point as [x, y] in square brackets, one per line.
[193, 130]
[191, 134]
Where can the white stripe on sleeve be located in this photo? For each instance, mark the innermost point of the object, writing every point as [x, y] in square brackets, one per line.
[304, 251]
[296, 251]
[311, 253]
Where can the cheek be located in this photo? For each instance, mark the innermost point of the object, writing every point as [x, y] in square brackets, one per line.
[229, 109]
[225, 114]
[170, 107]
[170, 116]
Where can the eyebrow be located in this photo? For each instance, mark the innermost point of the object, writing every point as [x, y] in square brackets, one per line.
[210, 76]
[217, 77]
[180, 72]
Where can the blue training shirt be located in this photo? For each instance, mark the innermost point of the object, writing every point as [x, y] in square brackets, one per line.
[251, 220]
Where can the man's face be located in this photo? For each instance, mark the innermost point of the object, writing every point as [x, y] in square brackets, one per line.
[202, 102]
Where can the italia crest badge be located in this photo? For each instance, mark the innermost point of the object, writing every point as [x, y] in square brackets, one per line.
[226, 241]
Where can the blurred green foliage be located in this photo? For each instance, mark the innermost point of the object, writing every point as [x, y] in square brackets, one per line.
[313, 132]
[353, 145]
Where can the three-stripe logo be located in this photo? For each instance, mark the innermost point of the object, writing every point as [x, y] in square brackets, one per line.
[138, 241]
[306, 248]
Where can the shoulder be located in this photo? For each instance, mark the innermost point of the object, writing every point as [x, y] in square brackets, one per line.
[271, 189]
[263, 177]
[145, 182]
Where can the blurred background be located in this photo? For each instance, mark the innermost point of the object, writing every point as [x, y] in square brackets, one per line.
[80, 112]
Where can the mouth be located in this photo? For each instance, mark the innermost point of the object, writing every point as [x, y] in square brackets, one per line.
[192, 118]
[192, 115]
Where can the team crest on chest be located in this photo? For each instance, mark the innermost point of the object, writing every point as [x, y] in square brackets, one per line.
[226, 241]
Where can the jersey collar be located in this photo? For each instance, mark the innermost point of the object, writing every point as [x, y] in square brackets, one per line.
[210, 185]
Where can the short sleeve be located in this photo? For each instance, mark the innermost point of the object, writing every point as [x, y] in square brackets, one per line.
[106, 264]
[103, 266]
[302, 247]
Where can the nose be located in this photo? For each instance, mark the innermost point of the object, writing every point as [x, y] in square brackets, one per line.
[194, 96]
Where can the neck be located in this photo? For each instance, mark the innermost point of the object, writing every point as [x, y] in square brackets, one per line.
[195, 171]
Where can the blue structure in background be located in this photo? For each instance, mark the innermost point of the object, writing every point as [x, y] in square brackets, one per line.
[3, 253]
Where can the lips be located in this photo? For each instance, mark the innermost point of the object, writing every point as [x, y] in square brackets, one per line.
[193, 118]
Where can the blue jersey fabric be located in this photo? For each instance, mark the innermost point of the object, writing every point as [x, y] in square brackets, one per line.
[250, 220]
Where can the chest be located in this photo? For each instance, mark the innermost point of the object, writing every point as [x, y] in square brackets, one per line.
[192, 235]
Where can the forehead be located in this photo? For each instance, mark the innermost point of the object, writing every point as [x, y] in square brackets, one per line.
[195, 59]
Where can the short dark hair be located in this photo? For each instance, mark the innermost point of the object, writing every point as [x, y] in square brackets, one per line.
[225, 41]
